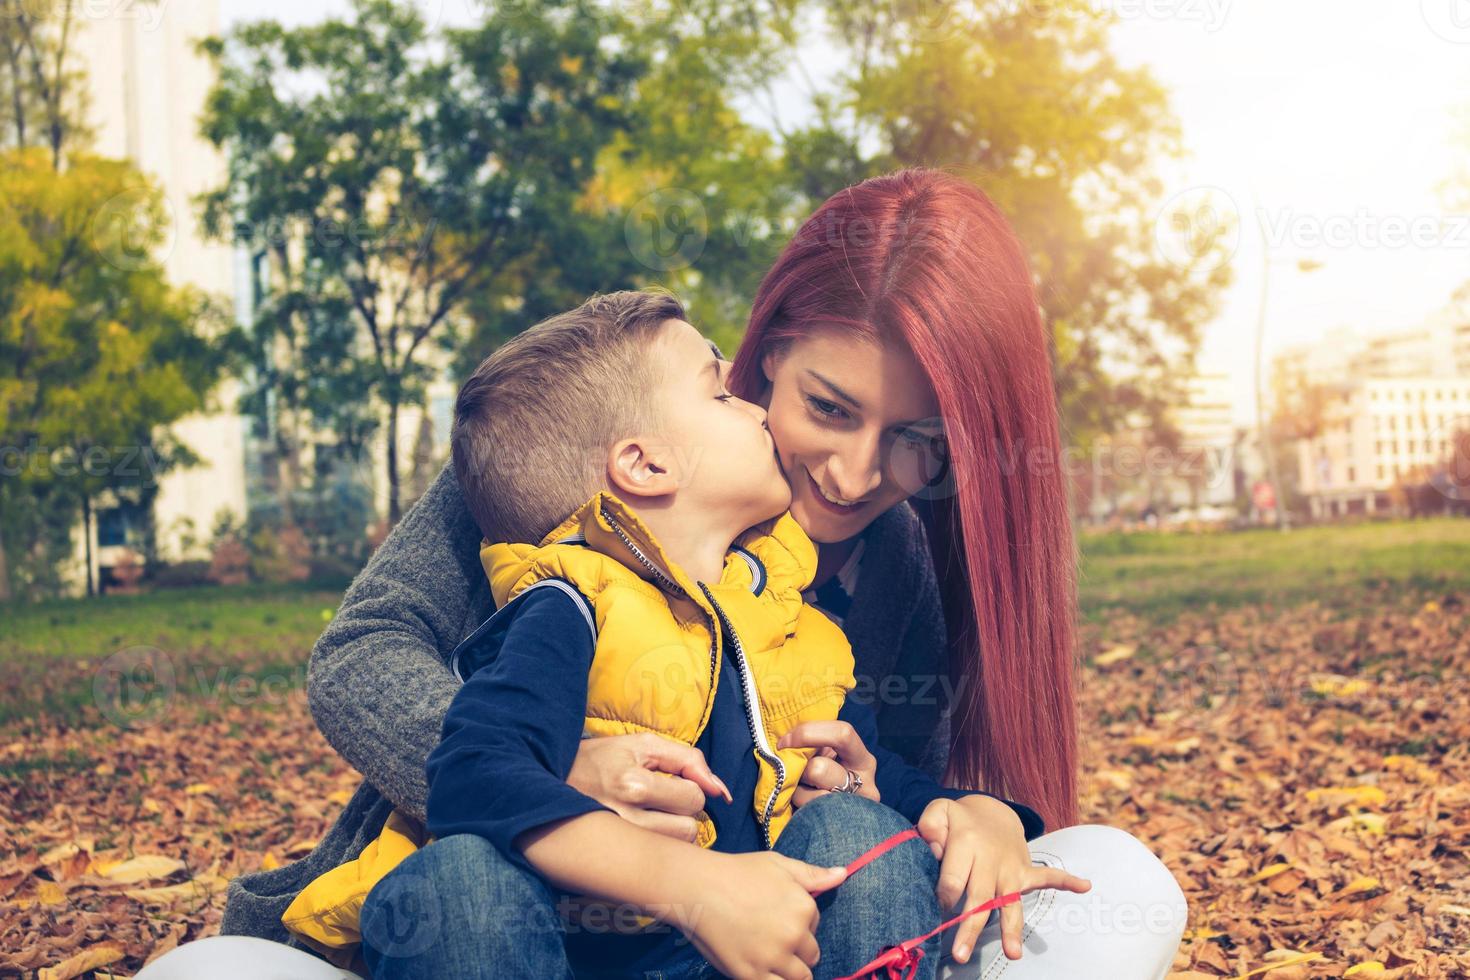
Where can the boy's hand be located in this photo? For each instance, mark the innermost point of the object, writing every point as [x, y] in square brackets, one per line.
[839, 748]
[983, 854]
[753, 915]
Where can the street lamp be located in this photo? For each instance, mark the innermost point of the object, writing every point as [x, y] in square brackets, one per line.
[1283, 517]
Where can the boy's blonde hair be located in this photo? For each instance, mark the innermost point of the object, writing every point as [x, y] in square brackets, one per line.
[533, 425]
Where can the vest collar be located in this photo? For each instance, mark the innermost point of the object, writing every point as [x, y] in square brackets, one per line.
[608, 526]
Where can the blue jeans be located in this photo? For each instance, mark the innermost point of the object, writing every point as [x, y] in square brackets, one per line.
[458, 909]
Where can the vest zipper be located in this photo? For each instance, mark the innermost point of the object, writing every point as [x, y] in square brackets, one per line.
[747, 683]
[752, 717]
[670, 585]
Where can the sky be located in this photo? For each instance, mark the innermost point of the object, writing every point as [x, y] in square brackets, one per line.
[1332, 127]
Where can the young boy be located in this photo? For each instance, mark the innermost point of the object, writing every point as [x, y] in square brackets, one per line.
[647, 579]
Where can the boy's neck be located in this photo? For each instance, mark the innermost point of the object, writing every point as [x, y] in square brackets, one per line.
[697, 543]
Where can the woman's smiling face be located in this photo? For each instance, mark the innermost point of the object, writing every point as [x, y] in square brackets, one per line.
[856, 426]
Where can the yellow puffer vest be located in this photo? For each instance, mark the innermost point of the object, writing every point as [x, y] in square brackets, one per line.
[659, 641]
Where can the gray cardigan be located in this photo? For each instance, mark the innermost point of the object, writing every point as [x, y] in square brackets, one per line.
[379, 683]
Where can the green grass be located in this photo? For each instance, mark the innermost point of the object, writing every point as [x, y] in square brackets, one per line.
[232, 617]
[1158, 576]
[50, 652]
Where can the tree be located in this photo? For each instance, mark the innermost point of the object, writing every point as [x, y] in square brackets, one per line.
[1028, 102]
[97, 352]
[41, 102]
[394, 181]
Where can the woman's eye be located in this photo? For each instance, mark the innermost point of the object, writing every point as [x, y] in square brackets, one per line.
[724, 398]
[826, 408]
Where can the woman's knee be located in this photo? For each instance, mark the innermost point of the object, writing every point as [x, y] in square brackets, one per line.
[1134, 899]
[240, 958]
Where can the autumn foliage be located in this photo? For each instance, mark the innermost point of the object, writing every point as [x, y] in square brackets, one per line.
[1302, 770]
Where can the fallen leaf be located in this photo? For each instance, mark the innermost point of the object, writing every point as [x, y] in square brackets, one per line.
[141, 868]
[83, 962]
[1114, 655]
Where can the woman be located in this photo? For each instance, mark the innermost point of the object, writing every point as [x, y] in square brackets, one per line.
[899, 351]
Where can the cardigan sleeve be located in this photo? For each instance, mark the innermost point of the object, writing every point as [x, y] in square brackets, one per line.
[378, 682]
[908, 789]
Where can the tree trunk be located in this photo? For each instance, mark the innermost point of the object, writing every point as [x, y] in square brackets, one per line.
[4, 572]
[392, 456]
[87, 540]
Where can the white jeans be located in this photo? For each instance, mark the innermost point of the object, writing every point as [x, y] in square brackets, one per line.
[1127, 927]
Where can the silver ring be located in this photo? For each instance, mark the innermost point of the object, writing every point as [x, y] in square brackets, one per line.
[852, 784]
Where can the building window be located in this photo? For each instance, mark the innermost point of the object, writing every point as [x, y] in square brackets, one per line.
[1352, 474]
[119, 526]
[1381, 474]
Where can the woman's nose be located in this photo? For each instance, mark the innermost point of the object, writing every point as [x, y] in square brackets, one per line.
[855, 474]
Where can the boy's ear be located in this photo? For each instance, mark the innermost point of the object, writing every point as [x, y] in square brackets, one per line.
[642, 467]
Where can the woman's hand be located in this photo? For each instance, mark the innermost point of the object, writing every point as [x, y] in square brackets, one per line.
[648, 780]
[838, 749]
[982, 852]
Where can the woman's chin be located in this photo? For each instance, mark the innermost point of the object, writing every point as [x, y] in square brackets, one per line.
[824, 527]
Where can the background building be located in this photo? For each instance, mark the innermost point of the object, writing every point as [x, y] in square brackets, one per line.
[1375, 412]
[146, 87]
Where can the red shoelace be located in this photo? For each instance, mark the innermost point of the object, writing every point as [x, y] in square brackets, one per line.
[901, 962]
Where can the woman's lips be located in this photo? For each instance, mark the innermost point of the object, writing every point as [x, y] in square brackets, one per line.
[816, 492]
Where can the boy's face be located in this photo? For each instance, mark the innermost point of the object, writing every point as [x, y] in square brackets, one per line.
[725, 453]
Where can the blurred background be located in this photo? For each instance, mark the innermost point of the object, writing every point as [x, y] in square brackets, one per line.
[249, 247]
[252, 246]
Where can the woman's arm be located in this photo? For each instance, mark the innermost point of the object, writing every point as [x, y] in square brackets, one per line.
[378, 681]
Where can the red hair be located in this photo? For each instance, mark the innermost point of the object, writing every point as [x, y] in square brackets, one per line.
[925, 259]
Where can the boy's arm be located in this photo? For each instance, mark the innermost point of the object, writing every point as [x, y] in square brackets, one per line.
[604, 856]
[512, 731]
[909, 789]
[510, 737]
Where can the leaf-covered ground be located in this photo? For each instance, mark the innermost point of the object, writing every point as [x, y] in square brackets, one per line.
[1301, 766]
[1306, 775]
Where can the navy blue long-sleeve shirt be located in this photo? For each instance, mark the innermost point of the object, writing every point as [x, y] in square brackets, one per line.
[512, 732]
